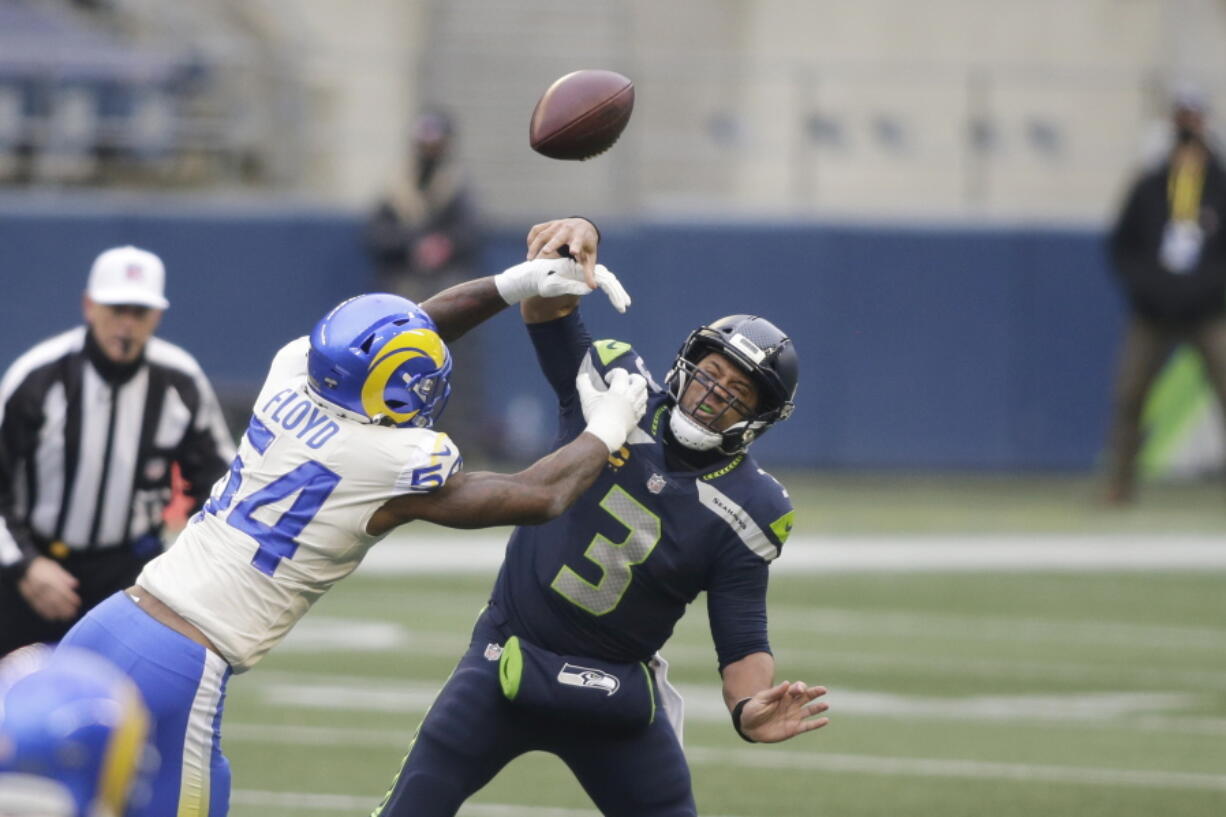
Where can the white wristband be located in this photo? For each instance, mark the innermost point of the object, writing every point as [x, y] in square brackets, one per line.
[516, 283]
[609, 430]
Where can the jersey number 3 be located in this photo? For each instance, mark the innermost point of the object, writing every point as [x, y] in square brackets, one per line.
[614, 558]
[312, 481]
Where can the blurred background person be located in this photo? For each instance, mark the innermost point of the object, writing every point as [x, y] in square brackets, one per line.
[91, 422]
[73, 736]
[1169, 255]
[425, 236]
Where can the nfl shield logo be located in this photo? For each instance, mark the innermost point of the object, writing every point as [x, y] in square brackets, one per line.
[155, 469]
[493, 651]
[656, 483]
[134, 272]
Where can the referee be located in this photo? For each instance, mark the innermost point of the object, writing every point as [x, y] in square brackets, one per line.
[91, 422]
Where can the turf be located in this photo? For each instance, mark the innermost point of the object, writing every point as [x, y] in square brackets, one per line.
[966, 694]
[963, 693]
[990, 502]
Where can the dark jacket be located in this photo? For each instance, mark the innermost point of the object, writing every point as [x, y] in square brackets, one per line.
[424, 203]
[1153, 292]
[86, 448]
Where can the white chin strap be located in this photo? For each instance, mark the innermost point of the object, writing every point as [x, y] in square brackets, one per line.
[690, 434]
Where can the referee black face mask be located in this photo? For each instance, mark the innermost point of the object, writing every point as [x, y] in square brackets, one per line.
[120, 331]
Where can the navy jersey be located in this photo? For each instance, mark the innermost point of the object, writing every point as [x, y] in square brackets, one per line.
[612, 576]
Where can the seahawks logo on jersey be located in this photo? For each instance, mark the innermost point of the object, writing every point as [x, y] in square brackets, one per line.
[577, 676]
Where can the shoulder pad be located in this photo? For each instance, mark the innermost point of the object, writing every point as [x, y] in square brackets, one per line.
[782, 527]
[775, 506]
[605, 355]
[758, 510]
[433, 459]
[610, 350]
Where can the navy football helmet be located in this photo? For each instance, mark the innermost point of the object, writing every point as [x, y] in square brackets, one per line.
[762, 351]
[380, 356]
[73, 735]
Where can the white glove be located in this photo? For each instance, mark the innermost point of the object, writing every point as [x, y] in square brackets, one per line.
[551, 277]
[613, 412]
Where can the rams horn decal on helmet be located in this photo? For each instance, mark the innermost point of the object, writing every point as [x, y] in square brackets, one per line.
[397, 352]
[381, 357]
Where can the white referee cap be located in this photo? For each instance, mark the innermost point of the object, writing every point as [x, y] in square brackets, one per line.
[128, 275]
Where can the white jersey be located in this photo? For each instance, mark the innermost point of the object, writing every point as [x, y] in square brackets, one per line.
[290, 518]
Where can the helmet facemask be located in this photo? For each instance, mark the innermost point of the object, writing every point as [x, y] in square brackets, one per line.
[769, 364]
[699, 429]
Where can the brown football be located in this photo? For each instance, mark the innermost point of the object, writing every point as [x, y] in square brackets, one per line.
[581, 114]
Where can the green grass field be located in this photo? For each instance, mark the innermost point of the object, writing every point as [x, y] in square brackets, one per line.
[952, 693]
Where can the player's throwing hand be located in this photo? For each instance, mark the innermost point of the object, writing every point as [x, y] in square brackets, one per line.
[783, 711]
[574, 237]
[554, 277]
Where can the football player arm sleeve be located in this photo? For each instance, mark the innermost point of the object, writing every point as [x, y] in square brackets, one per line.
[736, 609]
[560, 346]
[762, 711]
[483, 499]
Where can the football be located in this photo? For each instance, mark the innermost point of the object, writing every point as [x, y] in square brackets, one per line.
[581, 114]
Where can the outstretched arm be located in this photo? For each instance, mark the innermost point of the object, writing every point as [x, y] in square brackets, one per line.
[459, 308]
[545, 489]
[484, 499]
[772, 712]
[545, 275]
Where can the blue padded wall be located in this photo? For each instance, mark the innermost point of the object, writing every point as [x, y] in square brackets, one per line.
[949, 347]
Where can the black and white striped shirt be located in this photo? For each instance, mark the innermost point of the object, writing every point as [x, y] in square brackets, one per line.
[86, 448]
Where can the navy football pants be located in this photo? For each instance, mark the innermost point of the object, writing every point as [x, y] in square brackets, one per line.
[472, 731]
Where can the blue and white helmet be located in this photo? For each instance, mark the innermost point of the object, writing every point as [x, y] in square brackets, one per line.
[380, 356]
[73, 735]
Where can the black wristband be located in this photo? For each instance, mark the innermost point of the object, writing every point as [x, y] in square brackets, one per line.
[14, 573]
[736, 719]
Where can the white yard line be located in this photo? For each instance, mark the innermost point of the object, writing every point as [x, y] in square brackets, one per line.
[999, 668]
[423, 551]
[914, 624]
[341, 635]
[969, 769]
[775, 760]
[1148, 711]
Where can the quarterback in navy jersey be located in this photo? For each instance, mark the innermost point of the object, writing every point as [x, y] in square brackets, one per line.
[583, 603]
